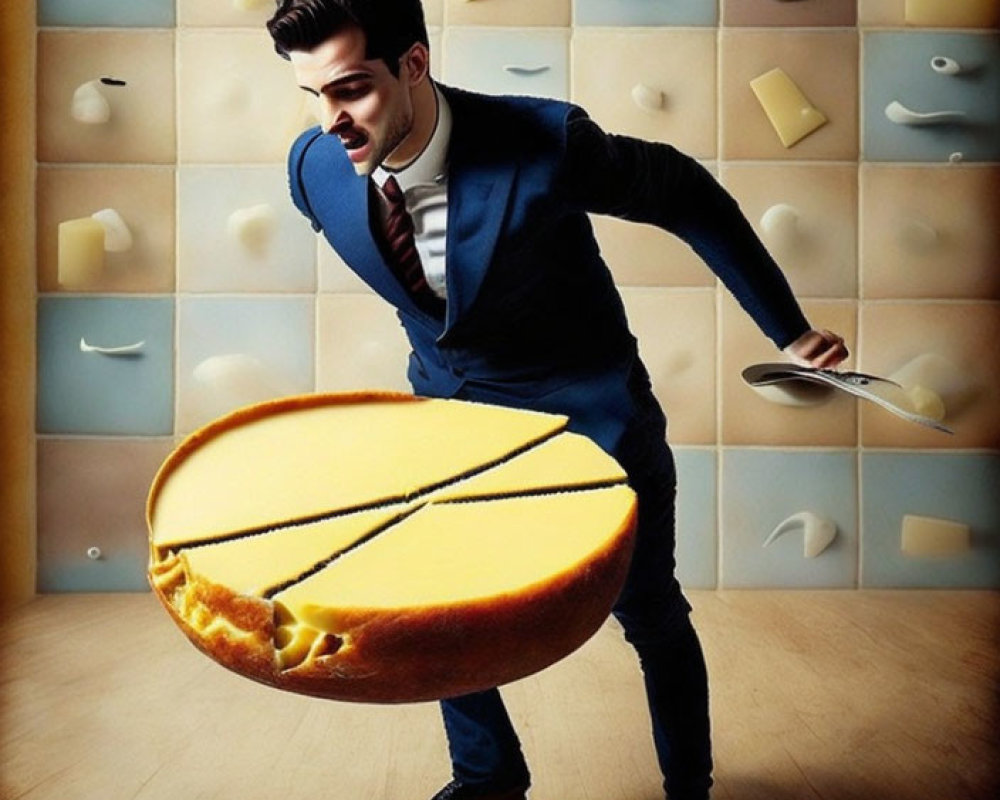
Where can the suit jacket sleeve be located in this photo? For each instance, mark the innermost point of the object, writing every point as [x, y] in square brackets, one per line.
[657, 184]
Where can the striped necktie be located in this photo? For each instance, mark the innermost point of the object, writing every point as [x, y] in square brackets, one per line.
[402, 249]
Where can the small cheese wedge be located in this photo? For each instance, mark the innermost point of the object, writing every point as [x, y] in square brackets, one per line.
[788, 109]
[81, 253]
[932, 537]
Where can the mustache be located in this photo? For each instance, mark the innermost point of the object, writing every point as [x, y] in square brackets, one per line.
[350, 137]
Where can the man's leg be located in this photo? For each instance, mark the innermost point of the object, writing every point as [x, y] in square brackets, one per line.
[655, 616]
[485, 751]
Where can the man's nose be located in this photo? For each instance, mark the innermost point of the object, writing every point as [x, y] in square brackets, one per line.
[335, 120]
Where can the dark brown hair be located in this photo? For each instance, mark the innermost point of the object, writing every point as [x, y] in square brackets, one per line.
[391, 27]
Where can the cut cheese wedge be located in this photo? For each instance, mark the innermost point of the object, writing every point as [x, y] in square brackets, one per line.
[261, 564]
[385, 548]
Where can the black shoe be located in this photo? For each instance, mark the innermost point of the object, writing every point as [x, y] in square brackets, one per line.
[456, 790]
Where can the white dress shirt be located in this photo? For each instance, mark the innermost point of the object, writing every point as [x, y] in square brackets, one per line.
[424, 182]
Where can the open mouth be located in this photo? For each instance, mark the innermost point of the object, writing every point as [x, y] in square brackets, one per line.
[354, 140]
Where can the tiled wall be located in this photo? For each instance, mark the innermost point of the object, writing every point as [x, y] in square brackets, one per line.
[887, 231]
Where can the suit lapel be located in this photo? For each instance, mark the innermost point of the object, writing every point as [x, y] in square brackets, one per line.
[344, 199]
[478, 194]
[477, 202]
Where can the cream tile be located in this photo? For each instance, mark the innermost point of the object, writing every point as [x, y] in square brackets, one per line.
[750, 419]
[620, 76]
[434, 12]
[507, 12]
[361, 345]
[676, 332]
[930, 232]
[824, 66]
[335, 275]
[434, 36]
[238, 231]
[140, 128]
[143, 196]
[91, 493]
[223, 13]
[807, 217]
[769, 13]
[881, 13]
[238, 102]
[644, 255]
[961, 339]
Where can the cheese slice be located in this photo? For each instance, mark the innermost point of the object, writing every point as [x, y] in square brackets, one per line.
[566, 461]
[385, 548]
[462, 553]
[257, 565]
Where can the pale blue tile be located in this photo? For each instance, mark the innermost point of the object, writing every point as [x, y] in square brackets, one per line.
[623, 13]
[760, 490]
[508, 61]
[897, 67]
[958, 487]
[107, 13]
[266, 344]
[96, 393]
[697, 522]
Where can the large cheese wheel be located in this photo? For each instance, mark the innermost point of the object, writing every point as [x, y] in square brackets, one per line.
[386, 548]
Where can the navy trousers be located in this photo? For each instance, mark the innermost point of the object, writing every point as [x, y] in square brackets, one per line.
[654, 614]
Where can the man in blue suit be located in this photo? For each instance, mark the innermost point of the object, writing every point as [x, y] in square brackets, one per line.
[514, 306]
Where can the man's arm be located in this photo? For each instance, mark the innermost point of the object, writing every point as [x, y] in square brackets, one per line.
[657, 184]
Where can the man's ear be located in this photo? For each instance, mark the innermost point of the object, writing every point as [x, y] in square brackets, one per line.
[417, 63]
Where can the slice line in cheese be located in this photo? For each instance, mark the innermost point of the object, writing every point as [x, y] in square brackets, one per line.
[225, 560]
[368, 577]
[210, 478]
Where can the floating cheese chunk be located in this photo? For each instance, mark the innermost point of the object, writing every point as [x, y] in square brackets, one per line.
[953, 14]
[385, 548]
[81, 252]
[791, 114]
[929, 536]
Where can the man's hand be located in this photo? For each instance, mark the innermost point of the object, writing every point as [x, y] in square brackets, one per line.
[821, 349]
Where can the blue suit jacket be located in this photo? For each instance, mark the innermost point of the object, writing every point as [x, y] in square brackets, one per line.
[533, 318]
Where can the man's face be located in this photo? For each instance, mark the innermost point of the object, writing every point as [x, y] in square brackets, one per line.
[360, 100]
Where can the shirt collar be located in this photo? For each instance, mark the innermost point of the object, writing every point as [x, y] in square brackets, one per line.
[430, 166]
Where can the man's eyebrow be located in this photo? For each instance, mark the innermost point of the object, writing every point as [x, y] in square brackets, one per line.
[351, 77]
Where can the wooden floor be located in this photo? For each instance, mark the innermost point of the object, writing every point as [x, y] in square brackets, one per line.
[833, 695]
